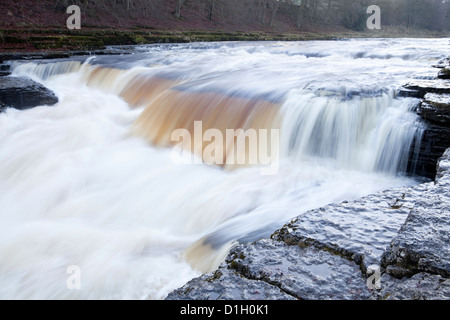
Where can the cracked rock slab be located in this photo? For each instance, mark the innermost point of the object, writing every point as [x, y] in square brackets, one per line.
[423, 242]
[360, 230]
[306, 273]
[226, 284]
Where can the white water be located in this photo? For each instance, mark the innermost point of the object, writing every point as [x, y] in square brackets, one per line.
[76, 188]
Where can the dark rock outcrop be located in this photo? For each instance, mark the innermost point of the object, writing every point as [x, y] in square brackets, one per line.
[4, 70]
[435, 140]
[350, 250]
[434, 110]
[444, 73]
[23, 93]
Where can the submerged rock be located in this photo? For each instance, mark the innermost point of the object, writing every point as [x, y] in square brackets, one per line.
[23, 93]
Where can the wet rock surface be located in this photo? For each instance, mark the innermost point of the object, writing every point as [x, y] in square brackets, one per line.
[23, 93]
[436, 108]
[228, 284]
[332, 252]
[421, 286]
[303, 272]
[423, 242]
[419, 88]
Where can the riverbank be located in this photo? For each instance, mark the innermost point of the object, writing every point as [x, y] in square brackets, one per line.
[64, 40]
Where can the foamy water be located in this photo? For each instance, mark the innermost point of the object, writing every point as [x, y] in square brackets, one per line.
[91, 183]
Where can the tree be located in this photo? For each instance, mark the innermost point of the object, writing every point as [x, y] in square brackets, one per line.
[178, 8]
[211, 5]
[275, 4]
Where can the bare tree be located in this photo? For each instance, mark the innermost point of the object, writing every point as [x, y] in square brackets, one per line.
[275, 4]
[211, 5]
[178, 8]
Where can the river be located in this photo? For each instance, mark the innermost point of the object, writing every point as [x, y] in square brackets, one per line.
[94, 203]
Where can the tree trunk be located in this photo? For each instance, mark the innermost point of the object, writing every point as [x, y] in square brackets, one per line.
[263, 11]
[129, 4]
[274, 13]
[301, 13]
[178, 9]
[211, 9]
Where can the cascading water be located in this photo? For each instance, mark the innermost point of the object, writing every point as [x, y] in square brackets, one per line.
[91, 182]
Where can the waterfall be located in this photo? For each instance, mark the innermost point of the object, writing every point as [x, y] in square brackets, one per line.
[364, 131]
[91, 184]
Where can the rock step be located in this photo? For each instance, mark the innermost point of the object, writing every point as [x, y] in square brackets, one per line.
[444, 73]
[436, 108]
[419, 88]
[5, 67]
[5, 70]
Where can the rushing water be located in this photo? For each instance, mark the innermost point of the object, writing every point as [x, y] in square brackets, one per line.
[92, 182]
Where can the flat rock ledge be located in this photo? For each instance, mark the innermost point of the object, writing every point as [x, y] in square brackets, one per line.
[23, 93]
[391, 245]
